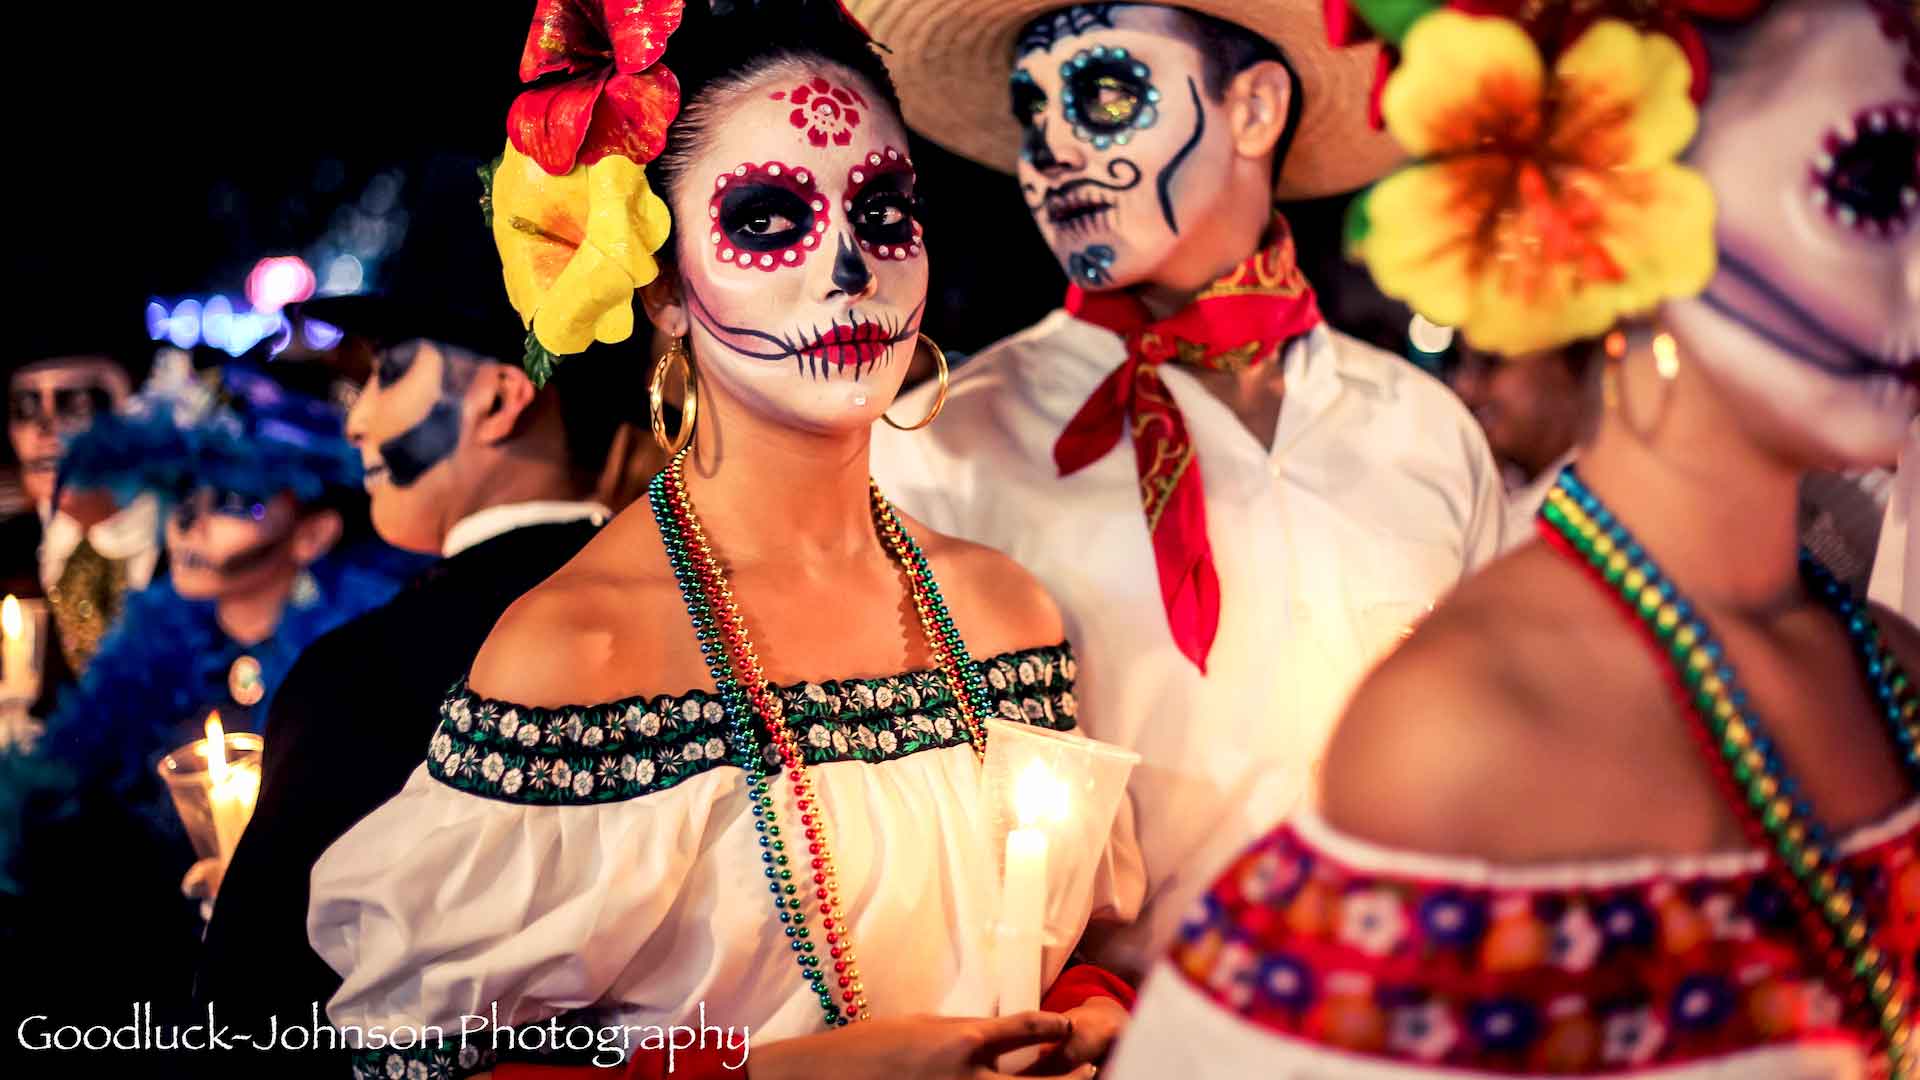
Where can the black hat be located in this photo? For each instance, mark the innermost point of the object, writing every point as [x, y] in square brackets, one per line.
[115, 331]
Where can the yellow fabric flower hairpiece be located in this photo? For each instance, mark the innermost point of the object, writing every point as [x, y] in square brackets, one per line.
[1543, 206]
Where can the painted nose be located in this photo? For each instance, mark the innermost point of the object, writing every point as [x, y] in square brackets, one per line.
[851, 275]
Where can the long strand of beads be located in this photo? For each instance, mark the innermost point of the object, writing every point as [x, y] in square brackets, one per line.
[1758, 783]
[773, 856]
[746, 691]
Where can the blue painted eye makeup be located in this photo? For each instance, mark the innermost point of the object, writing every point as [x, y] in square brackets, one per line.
[1107, 96]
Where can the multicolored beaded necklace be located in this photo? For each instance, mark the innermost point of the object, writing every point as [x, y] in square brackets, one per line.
[1744, 758]
[745, 694]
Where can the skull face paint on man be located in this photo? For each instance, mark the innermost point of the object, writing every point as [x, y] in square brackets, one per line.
[1119, 138]
[406, 422]
[222, 544]
[1811, 141]
[806, 285]
[56, 399]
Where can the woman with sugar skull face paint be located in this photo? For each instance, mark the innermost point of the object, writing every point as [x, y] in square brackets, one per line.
[750, 712]
[1643, 796]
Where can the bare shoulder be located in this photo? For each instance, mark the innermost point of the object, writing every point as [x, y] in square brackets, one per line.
[997, 604]
[582, 636]
[1452, 731]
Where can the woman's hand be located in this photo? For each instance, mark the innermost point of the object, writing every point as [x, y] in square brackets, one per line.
[1096, 1025]
[912, 1048]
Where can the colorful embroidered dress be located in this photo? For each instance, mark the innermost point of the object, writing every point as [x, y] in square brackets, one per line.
[1317, 954]
[604, 857]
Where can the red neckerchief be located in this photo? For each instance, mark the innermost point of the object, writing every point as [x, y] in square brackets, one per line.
[1236, 323]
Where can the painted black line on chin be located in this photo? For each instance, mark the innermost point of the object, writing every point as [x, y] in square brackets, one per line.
[1179, 158]
[796, 350]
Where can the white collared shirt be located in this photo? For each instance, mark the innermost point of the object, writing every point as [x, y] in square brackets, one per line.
[483, 525]
[132, 535]
[1379, 494]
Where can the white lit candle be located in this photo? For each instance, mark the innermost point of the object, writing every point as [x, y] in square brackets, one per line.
[1039, 797]
[231, 790]
[16, 650]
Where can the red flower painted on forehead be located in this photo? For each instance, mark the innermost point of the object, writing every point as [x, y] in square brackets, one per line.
[604, 90]
[824, 111]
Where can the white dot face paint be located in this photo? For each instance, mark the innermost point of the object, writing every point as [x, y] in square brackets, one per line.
[1812, 320]
[790, 317]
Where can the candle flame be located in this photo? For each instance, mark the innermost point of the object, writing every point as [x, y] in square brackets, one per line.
[10, 622]
[216, 749]
[1039, 797]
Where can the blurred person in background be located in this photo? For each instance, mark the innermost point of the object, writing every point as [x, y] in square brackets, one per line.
[1536, 410]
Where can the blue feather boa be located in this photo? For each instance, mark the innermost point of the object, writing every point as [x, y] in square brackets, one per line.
[158, 671]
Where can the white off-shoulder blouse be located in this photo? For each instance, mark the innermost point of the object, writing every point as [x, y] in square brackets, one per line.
[600, 863]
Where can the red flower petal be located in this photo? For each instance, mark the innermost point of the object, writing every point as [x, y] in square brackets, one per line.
[566, 35]
[549, 123]
[842, 137]
[816, 137]
[631, 118]
[1688, 37]
[857, 99]
[798, 118]
[1723, 9]
[820, 85]
[1382, 69]
[800, 95]
[842, 96]
[639, 30]
[852, 117]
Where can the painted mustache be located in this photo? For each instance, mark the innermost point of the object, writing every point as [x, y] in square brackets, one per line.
[856, 342]
[1122, 175]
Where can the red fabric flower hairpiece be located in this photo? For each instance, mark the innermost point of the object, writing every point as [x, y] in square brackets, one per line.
[1554, 25]
[615, 98]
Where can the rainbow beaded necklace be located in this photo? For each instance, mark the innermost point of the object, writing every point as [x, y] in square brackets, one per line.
[745, 694]
[1752, 774]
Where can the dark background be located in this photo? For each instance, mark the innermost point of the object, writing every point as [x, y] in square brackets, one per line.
[160, 150]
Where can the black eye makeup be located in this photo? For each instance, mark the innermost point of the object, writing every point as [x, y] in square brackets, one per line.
[767, 216]
[1028, 100]
[1107, 96]
[70, 405]
[880, 205]
[394, 364]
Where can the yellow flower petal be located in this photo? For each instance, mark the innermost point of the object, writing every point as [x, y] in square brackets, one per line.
[1460, 76]
[1637, 81]
[573, 248]
[1412, 247]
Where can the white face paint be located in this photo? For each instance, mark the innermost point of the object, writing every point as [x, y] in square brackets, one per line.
[1812, 323]
[804, 268]
[1122, 150]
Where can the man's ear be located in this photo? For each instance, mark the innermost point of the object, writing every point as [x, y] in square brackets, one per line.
[665, 303]
[1258, 100]
[315, 535]
[504, 393]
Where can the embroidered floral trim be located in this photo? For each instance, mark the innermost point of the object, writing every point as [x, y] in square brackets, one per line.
[638, 746]
[1653, 972]
[444, 1059]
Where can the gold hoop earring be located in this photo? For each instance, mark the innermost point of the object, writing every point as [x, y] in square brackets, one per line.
[657, 398]
[939, 400]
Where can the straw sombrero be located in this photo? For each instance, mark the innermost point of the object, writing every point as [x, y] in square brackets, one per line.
[951, 59]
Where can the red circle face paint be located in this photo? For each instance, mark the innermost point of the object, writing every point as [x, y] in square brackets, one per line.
[879, 204]
[767, 216]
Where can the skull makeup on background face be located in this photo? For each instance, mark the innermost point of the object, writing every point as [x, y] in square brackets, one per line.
[802, 264]
[406, 423]
[1121, 143]
[57, 399]
[1812, 322]
[223, 543]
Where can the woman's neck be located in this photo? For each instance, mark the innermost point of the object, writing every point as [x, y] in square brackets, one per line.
[767, 492]
[251, 616]
[1714, 508]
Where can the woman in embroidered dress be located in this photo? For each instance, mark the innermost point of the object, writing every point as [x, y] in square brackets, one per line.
[602, 828]
[1641, 796]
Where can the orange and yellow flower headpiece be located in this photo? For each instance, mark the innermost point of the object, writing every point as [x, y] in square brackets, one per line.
[573, 217]
[1545, 200]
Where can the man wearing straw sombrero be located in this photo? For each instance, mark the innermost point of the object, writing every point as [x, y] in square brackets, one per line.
[1306, 497]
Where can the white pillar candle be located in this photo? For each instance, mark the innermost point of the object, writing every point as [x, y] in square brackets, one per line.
[16, 649]
[231, 790]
